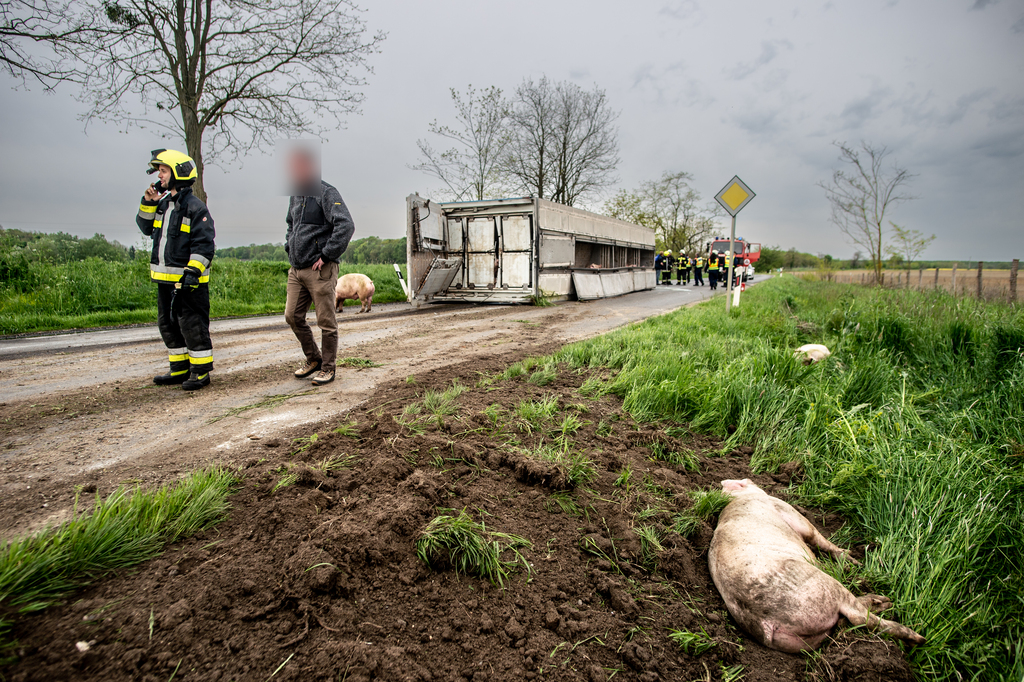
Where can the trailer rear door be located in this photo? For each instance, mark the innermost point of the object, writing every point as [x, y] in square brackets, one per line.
[516, 251]
[439, 276]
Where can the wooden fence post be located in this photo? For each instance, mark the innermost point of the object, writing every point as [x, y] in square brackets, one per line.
[954, 279]
[980, 290]
[1013, 280]
[936, 279]
[920, 277]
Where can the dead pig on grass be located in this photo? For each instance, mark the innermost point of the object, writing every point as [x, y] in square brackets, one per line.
[762, 566]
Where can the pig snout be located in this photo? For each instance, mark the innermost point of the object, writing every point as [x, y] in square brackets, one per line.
[357, 287]
[762, 565]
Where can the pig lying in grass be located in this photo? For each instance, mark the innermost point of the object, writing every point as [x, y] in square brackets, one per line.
[766, 573]
[354, 286]
[811, 353]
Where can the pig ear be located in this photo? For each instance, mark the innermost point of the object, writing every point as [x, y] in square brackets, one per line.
[734, 485]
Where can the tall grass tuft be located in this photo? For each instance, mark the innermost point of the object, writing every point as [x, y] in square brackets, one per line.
[125, 528]
[913, 430]
[469, 548]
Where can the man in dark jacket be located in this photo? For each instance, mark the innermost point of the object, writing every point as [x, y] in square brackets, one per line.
[183, 244]
[319, 230]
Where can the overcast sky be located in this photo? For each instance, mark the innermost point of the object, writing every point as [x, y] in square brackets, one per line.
[758, 88]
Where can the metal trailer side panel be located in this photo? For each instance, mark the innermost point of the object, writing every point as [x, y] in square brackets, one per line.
[571, 220]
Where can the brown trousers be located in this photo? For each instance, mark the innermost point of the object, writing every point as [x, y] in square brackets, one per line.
[316, 287]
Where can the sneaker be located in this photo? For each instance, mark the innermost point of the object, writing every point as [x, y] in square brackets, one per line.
[322, 378]
[170, 379]
[308, 369]
[196, 381]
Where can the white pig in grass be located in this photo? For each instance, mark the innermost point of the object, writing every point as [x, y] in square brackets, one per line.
[766, 573]
[354, 286]
[812, 353]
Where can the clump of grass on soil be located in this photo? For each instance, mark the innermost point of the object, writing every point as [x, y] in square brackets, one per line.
[123, 529]
[913, 430]
[693, 643]
[470, 548]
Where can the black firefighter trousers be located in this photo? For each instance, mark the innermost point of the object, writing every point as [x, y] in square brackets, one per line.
[188, 337]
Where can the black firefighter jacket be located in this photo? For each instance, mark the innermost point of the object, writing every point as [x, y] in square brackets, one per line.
[182, 231]
[318, 227]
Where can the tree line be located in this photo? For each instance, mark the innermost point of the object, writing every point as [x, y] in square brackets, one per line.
[364, 251]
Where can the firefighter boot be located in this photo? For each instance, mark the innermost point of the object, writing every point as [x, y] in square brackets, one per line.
[171, 378]
[196, 381]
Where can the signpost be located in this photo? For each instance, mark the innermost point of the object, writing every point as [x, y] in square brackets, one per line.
[733, 197]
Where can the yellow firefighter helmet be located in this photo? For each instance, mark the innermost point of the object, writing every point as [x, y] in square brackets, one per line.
[183, 168]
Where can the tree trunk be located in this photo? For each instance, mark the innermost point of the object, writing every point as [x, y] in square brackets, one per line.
[194, 146]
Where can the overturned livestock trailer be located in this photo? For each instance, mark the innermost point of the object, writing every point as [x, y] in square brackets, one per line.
[517, 250]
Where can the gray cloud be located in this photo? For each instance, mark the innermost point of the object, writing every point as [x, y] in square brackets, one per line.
[770, 49]
[982, 4]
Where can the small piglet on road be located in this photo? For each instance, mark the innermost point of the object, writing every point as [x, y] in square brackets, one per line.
[354, 286]
[766, 573]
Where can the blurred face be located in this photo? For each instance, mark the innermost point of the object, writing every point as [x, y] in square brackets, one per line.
[301, 169]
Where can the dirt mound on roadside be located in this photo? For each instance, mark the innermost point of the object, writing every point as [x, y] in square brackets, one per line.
[315, 577]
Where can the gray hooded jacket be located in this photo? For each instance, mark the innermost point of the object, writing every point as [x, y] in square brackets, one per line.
[318, 227]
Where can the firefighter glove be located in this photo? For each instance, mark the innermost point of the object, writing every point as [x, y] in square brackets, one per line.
[190, 278]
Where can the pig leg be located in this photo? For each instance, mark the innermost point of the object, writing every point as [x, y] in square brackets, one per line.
[340, 305]
[806, 530]
[858, 612]
[369, 303]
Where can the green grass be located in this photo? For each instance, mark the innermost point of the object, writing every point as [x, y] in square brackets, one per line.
[913, 430]
[693, 643]
[469, 548]
[577, 469]
[534, 415]
[98, 293]
[686, 459]
[125, 528]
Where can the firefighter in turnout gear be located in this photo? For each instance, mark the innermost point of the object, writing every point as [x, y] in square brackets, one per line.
[683, 273]
[669, 263]
[181, 228]
[698, 271]
[713, 267]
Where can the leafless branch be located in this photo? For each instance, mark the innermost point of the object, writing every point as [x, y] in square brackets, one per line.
[861, 194]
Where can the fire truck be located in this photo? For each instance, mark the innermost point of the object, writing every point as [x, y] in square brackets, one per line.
[748, 253]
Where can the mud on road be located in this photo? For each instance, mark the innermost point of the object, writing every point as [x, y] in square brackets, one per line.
[317, 578]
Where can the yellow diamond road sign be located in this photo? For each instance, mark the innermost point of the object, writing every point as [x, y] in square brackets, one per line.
[734, 196]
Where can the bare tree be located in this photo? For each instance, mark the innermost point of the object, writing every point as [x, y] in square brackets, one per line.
[25, 27]
[563, 143]
[862, 193]
[469, 170]
[671, 207]
[226, 75]
[908, 245]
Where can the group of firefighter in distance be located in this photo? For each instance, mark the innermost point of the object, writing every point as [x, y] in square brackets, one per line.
[715, 264]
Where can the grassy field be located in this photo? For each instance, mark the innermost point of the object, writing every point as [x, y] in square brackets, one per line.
[914, 430]
[97, 293]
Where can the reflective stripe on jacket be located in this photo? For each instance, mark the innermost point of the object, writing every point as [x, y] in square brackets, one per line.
[182, 231]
